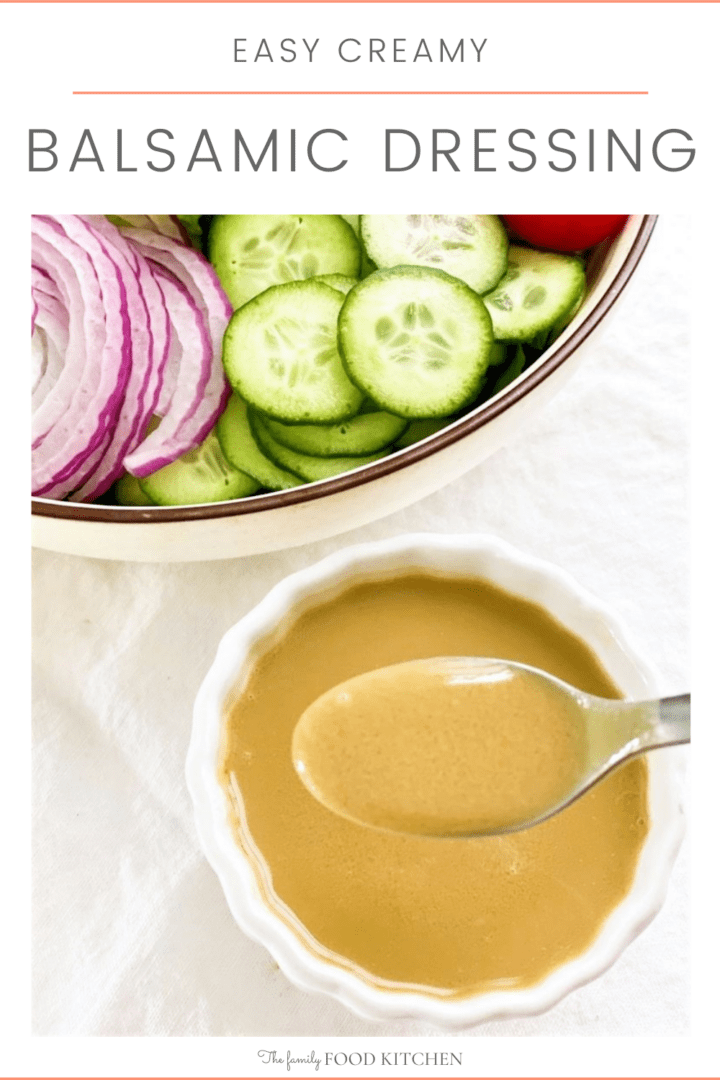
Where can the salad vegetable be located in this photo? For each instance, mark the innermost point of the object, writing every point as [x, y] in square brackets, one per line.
[416, 340]
[142, 315]
[298, 347]
[565, 232]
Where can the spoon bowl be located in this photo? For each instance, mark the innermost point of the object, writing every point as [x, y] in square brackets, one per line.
[469, 746]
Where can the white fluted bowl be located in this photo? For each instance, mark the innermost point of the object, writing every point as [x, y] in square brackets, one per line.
[467, 556]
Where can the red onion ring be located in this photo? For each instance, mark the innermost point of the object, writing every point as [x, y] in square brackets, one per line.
[108, 304]
[190, 269]
[149, 343]
[74, 417]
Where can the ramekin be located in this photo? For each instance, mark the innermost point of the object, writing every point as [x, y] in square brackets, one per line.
[487, 558]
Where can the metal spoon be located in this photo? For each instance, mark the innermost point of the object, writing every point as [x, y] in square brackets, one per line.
[468, 746]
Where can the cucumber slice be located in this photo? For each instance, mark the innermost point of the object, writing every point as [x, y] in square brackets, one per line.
[472, 247]
[129, 493]
[367, 266]
[340, 282]
[309, 467]
[242, 451]
[417, 341]
[557, 328]
[539, 289]
[252, 252]
[511, 372]
[280, 354]
[353, 221]
[202, 475]
[421, 429]
[354, 438]
[498, 353]
[545, 338]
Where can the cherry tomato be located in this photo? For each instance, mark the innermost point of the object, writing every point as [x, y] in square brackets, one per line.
[565, 232]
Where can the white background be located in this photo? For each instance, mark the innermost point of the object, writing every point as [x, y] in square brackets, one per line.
[664, 48]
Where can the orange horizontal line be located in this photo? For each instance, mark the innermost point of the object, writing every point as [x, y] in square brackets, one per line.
[345, 92]
[378, 2]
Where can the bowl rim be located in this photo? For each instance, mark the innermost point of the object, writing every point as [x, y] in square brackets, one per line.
[306, 968]
[447, 436]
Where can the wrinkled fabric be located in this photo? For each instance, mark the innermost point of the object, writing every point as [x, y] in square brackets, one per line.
[131, 932]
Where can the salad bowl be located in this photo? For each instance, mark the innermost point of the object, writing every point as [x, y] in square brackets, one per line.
[315, 511]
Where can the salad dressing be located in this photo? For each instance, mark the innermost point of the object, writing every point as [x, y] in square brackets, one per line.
[437, 748]
[450, 917]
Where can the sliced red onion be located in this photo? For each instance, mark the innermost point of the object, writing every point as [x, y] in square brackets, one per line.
[80, 291]
[139, 221]
[43, 283]
[108, 305]
[53, 316]
[149, 341]
[40, 349]
[74, 416]
[168, 225]
[174, 434]
[78, 284]
[200, 281]
[196, 274]
[50, 342]
[170, 376]
[165, 224]
[48, 362]
[82, 474]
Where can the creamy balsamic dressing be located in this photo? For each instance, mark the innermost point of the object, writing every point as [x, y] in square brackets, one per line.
[441, 747]
[452, 917]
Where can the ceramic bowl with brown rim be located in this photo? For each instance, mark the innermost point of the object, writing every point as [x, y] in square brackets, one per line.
[279, 520]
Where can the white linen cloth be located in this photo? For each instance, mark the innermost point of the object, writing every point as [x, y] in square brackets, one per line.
[131, 933]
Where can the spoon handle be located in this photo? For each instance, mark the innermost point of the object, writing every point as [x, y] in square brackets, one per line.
[623, 729]
[673, 722]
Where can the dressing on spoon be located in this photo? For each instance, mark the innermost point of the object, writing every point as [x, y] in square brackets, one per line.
[463, 746]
